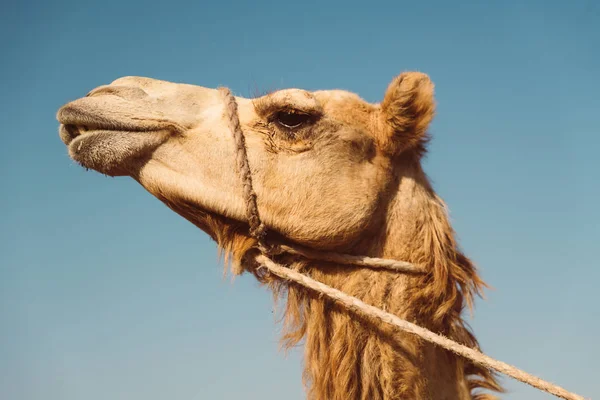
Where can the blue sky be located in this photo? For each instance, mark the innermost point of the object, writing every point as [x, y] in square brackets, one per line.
[107, 294]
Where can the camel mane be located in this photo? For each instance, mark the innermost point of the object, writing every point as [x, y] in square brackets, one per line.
[335, 338]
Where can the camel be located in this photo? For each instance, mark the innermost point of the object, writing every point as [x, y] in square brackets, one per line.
[331, 172]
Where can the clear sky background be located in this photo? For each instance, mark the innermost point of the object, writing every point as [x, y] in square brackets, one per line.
[107, 294]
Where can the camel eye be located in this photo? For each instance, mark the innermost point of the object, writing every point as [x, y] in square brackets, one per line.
[291, 120]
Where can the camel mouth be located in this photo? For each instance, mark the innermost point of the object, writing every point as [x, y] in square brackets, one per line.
[100, 137]
[95, 114]
[111, 149]
[75, 123]
[69, 132]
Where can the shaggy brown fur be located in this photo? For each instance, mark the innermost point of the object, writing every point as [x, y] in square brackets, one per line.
[349, 357]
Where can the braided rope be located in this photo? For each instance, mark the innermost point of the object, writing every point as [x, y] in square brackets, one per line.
[257, 228]
[348, 259]
[258, 231]
[358, 306]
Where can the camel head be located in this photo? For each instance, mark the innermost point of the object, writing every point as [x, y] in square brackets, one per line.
[320, 160]
[331, 172]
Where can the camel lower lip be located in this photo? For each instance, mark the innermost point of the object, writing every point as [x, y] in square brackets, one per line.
[110, 152]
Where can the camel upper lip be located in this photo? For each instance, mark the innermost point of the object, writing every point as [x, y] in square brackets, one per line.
[94, 114]
[69, 132]
[76, 120]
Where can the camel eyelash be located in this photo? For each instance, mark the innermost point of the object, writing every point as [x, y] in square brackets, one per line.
[268, 107]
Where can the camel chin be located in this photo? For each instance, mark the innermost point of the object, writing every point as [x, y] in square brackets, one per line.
[110, 152]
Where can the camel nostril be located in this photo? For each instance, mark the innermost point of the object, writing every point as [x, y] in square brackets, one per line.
[125, 92]
[95, 91]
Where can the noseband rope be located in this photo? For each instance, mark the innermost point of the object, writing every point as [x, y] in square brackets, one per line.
[257, 228]
[258, 231]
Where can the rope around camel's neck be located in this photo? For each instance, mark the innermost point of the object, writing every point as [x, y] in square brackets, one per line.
[258, 231]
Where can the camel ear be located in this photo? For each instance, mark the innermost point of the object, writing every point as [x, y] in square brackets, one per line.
[406, 111]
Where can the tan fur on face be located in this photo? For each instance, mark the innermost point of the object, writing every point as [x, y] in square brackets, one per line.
[348, 179]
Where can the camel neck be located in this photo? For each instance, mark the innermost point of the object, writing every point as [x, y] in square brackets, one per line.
[350, 357]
